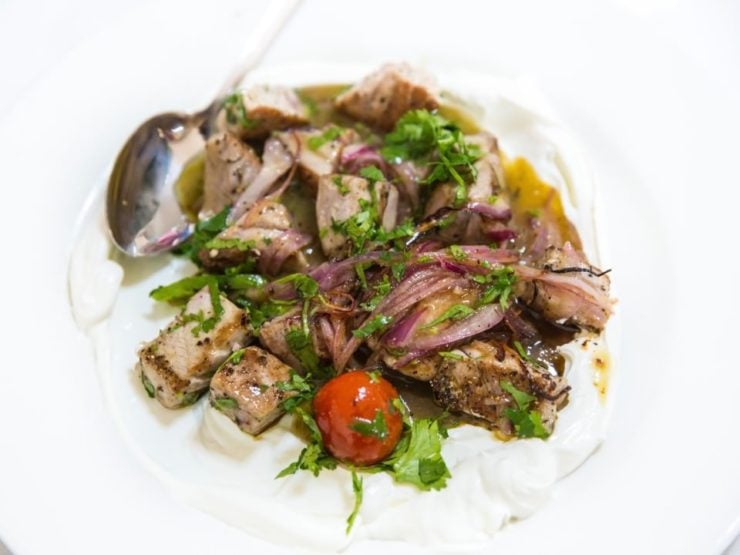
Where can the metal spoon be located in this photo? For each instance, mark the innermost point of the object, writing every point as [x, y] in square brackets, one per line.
[144, 216]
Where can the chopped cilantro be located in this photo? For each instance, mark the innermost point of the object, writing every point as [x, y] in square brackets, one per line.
[305, 285]
[372, 173]
[523, 353]
[361, 227]
[357, 489]
[317, 141]
[382, 289]
[341, 185]
[455, 312]
[502, 281]
[300, 344]
[417, 458]
[236, 112]
[204, 231]
[398, 269]
[204, 324]
[225, 404]
[312, 458]
[427, 136]
[261, 313]
[181, 290]
[236, 357]
[378, 323]
[377, 427]
[360, 271]
[457, 252]
[301, 387]
[148, 385]
[527, 423]
[451, 355]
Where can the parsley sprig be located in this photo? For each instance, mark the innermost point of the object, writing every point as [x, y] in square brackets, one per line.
[236, 111]
[426, 136]
[527, 423]
[500, 283]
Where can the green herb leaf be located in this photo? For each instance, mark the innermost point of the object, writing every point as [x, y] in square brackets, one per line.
[181, 290]
[382, 289]
[225, 404]
[357, 489]
[372, 174]
[148, 385]
[502, 282]
[418, 458]
[451, 355]
[523, 353]
[377, 427]
[521, 398]
[455, 312]
[236, 112]
[427, 136]
[527, 423]
[305, 285]
[457, 252]
[317, 141]
[205, 230]
[301, 388]
[378, 323]
[313, 458]
[300, 344]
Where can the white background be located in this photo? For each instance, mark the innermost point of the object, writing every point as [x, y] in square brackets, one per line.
[650, 89]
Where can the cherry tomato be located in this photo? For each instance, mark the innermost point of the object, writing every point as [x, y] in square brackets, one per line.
[356, 417]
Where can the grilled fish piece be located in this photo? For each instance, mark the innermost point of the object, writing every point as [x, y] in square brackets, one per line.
[276, 161]
[382, 97]
[261, 109]
[264, 233]
[342, 196]
[472, 385]
[567, 288]
[273, 336]
[318, 151]
[177, 366]
[230, 167]
[245, 389]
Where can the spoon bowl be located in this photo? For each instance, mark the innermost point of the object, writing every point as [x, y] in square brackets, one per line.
[144, 215]
[143, 212]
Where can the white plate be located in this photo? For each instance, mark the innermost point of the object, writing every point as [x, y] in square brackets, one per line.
[654, 106]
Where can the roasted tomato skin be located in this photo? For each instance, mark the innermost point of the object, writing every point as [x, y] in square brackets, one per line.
[352, 401]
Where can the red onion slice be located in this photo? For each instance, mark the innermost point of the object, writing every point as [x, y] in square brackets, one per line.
[483, 320]
[404, 330]
[499, 213]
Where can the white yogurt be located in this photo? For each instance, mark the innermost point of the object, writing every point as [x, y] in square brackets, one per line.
[209, 463]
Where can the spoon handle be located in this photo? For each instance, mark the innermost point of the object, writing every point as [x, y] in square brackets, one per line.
[276, 15]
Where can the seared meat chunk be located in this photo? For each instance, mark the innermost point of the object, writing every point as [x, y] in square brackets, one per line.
[177, 366]
[245, 389]
[382, 97]
[567, 288]
[477, 226]
[230, 167]
[275, 336]
[341, 197]
[276, 161]
[426, 315]
[265, 233]
[317, 151]
[472, 385]
[262, 109]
